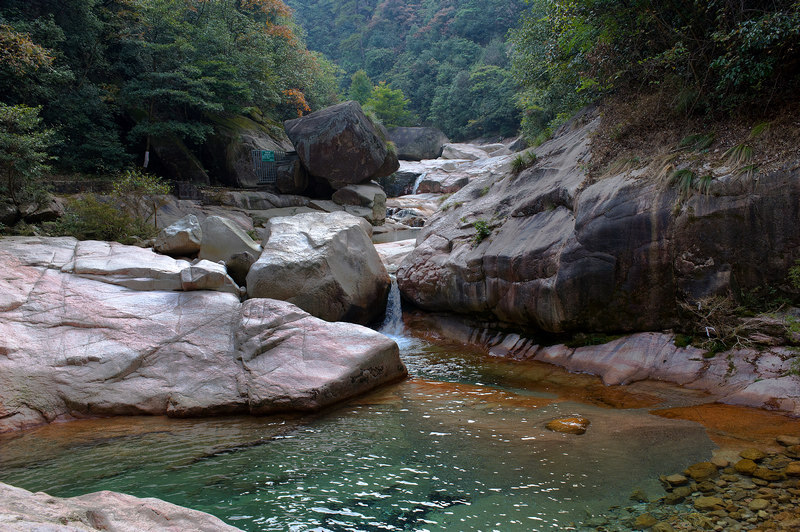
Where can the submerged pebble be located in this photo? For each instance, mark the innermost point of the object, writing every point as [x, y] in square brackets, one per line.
[763, 496]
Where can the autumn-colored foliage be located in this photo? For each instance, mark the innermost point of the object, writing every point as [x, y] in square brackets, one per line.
[297, 99]
[19, 53]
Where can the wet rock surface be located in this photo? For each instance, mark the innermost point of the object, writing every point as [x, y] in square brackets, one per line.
[765, 497]
[746, 377]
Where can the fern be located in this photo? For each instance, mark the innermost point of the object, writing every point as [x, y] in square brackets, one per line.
[703, 184]
[747, 171]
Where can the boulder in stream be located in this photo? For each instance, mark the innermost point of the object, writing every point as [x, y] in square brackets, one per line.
[325, 263]
[181, 238]
[224, 241]
[23, 511]
[368, 199]
[93, 329]
[417, 143]
[341, 145]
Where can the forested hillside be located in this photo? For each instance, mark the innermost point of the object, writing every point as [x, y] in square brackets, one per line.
[448, 57]
[660, 65]
[110, 77]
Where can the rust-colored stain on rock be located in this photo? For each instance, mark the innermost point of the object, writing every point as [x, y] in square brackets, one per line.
[737, 427]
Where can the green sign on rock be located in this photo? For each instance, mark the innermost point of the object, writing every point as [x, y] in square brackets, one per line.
[267, 156]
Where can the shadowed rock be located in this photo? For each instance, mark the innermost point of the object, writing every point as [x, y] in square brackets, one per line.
[341, 145]
[565, 253]
[417, 143]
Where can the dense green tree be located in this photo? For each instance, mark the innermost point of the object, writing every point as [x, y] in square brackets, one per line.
[23, 152]
[109, 74]
[360, 87]
[707, 56]
[389, 105]
[420, 47]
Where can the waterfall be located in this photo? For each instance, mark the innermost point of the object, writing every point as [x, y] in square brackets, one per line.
[417, 181]
[393, 322]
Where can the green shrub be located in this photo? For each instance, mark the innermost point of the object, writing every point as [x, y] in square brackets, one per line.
[683, 340]
[794, 275]
[90, 218]
[482, 231]
[23, 153]
[706, 57]
[141, 194]
[523, 161]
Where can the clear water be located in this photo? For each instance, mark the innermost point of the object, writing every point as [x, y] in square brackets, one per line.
[459, 446]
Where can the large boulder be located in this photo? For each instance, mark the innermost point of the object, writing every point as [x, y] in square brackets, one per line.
[399, 183]
[224, 241]
[141, 269]
[417, 143]
[463, 151]
[549, 249]
[77, 341]
[23, 511]
[181, 238]
[228, 153]
[341, 145]
[370, 198]
[325, 264]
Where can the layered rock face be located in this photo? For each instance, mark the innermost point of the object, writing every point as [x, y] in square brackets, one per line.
[549, 250]
[23, 511]
[325, 264]
[97, 329]
[341, 145]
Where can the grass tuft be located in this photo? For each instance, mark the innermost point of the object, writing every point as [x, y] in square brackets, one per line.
[697, 142]
[739, 155]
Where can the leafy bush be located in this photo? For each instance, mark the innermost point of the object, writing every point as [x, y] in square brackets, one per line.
[141, 194]
[482, 231]
[523, 161]
[23, 152]
[713, 56]
[90, 218]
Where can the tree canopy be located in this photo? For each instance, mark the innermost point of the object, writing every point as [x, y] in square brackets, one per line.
[110, 75]
[428, 49]
[707, 57]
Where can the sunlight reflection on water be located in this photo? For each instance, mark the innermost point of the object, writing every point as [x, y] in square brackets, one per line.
[460, 445]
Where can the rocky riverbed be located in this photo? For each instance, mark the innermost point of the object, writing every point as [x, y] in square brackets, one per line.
[756, 491]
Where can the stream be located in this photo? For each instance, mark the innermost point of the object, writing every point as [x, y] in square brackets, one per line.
[460, 445]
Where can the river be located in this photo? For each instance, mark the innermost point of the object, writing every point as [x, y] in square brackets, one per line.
[460, 445]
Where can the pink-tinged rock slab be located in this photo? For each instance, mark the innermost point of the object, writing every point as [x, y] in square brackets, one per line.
[23, 511]
[740, 377]
[72, 346]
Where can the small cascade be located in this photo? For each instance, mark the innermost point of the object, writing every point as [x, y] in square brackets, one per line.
[393, 322]
[419, 179]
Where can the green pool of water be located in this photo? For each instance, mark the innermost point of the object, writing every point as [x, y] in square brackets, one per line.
[459, 446]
